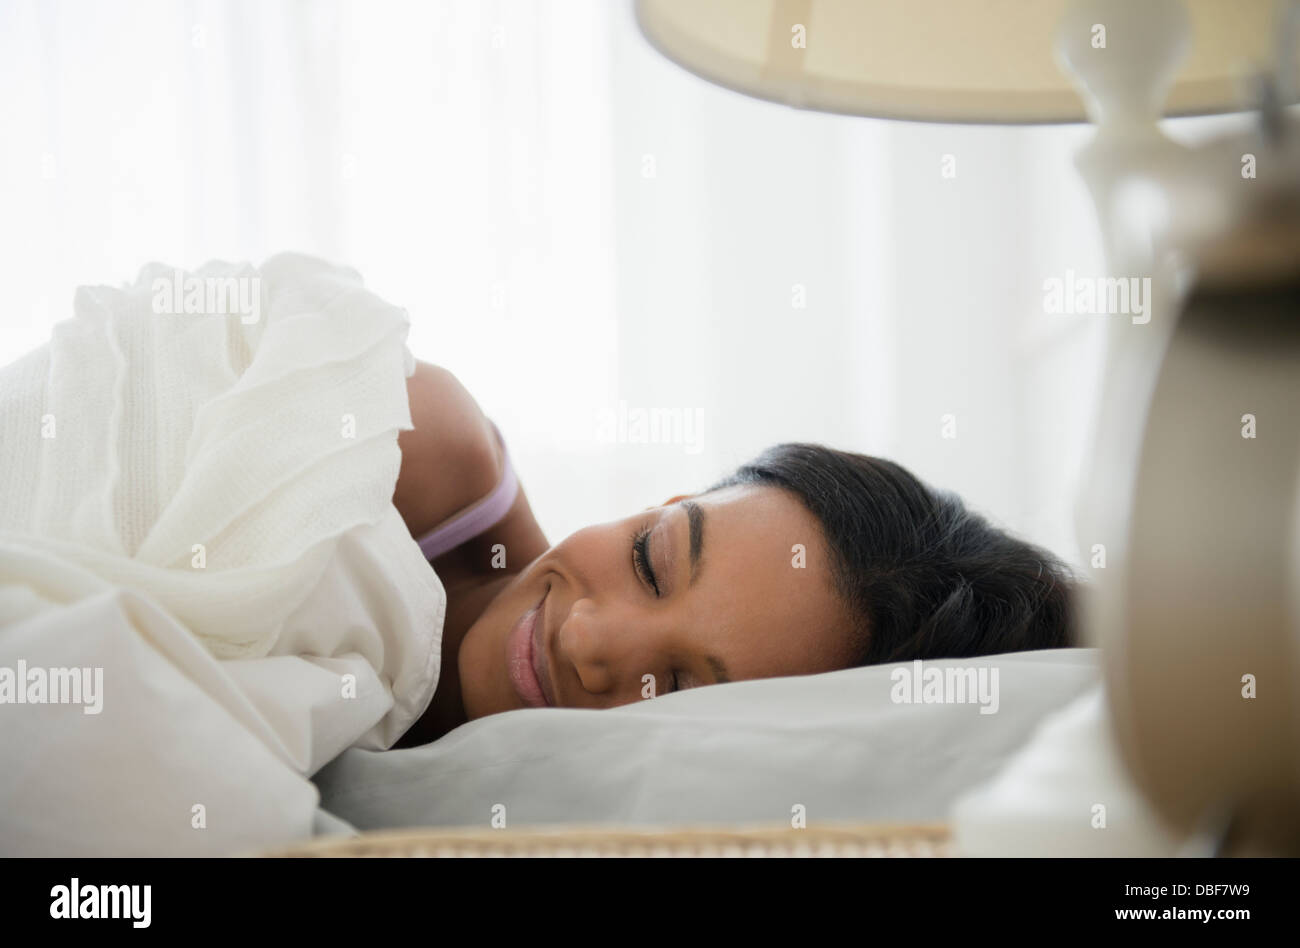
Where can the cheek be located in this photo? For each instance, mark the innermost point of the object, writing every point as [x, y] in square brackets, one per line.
[480, 662]
[471, 663]
[782, 629]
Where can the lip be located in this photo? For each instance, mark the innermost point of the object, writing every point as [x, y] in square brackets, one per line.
[541, 652]
[525, 658]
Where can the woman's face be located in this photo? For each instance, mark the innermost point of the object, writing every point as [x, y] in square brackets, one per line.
[723, 593]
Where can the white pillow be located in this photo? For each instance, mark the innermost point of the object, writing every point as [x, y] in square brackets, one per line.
[838, 744]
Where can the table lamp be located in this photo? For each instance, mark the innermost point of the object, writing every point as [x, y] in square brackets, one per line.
[1198, 612]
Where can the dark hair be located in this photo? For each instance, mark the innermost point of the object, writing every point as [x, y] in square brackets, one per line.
[923, 576]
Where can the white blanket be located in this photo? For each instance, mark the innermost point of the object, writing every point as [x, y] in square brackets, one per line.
[199, 505]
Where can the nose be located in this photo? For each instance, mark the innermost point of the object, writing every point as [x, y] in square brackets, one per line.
[584, 641]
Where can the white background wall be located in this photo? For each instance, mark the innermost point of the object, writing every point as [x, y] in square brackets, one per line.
[484, 165]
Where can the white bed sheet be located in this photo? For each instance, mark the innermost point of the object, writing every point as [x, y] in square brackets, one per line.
[310, 624]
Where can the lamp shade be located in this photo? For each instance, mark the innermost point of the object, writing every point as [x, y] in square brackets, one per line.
[987, 61]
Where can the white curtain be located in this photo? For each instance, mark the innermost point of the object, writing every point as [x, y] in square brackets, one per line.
[583, 232]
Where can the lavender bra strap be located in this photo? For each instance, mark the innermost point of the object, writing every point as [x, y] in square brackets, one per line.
[484, 514]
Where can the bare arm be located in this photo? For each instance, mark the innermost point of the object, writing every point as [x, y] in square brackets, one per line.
[451, 460]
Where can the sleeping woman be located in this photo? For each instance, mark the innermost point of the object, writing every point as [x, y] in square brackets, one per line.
[216, 509]
[806, 560]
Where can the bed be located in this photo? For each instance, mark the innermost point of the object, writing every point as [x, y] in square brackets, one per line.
[209, 525]
[837, 841]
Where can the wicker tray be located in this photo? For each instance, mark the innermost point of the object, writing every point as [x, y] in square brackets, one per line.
[834, 840]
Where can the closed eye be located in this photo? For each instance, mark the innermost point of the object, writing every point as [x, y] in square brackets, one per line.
[641, 560]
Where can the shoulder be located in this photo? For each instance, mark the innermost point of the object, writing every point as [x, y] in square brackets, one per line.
[450, 457]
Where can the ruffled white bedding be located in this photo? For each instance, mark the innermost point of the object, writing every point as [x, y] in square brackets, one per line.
[200, 505]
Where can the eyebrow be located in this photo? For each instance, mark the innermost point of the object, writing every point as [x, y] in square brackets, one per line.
[695, 517]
